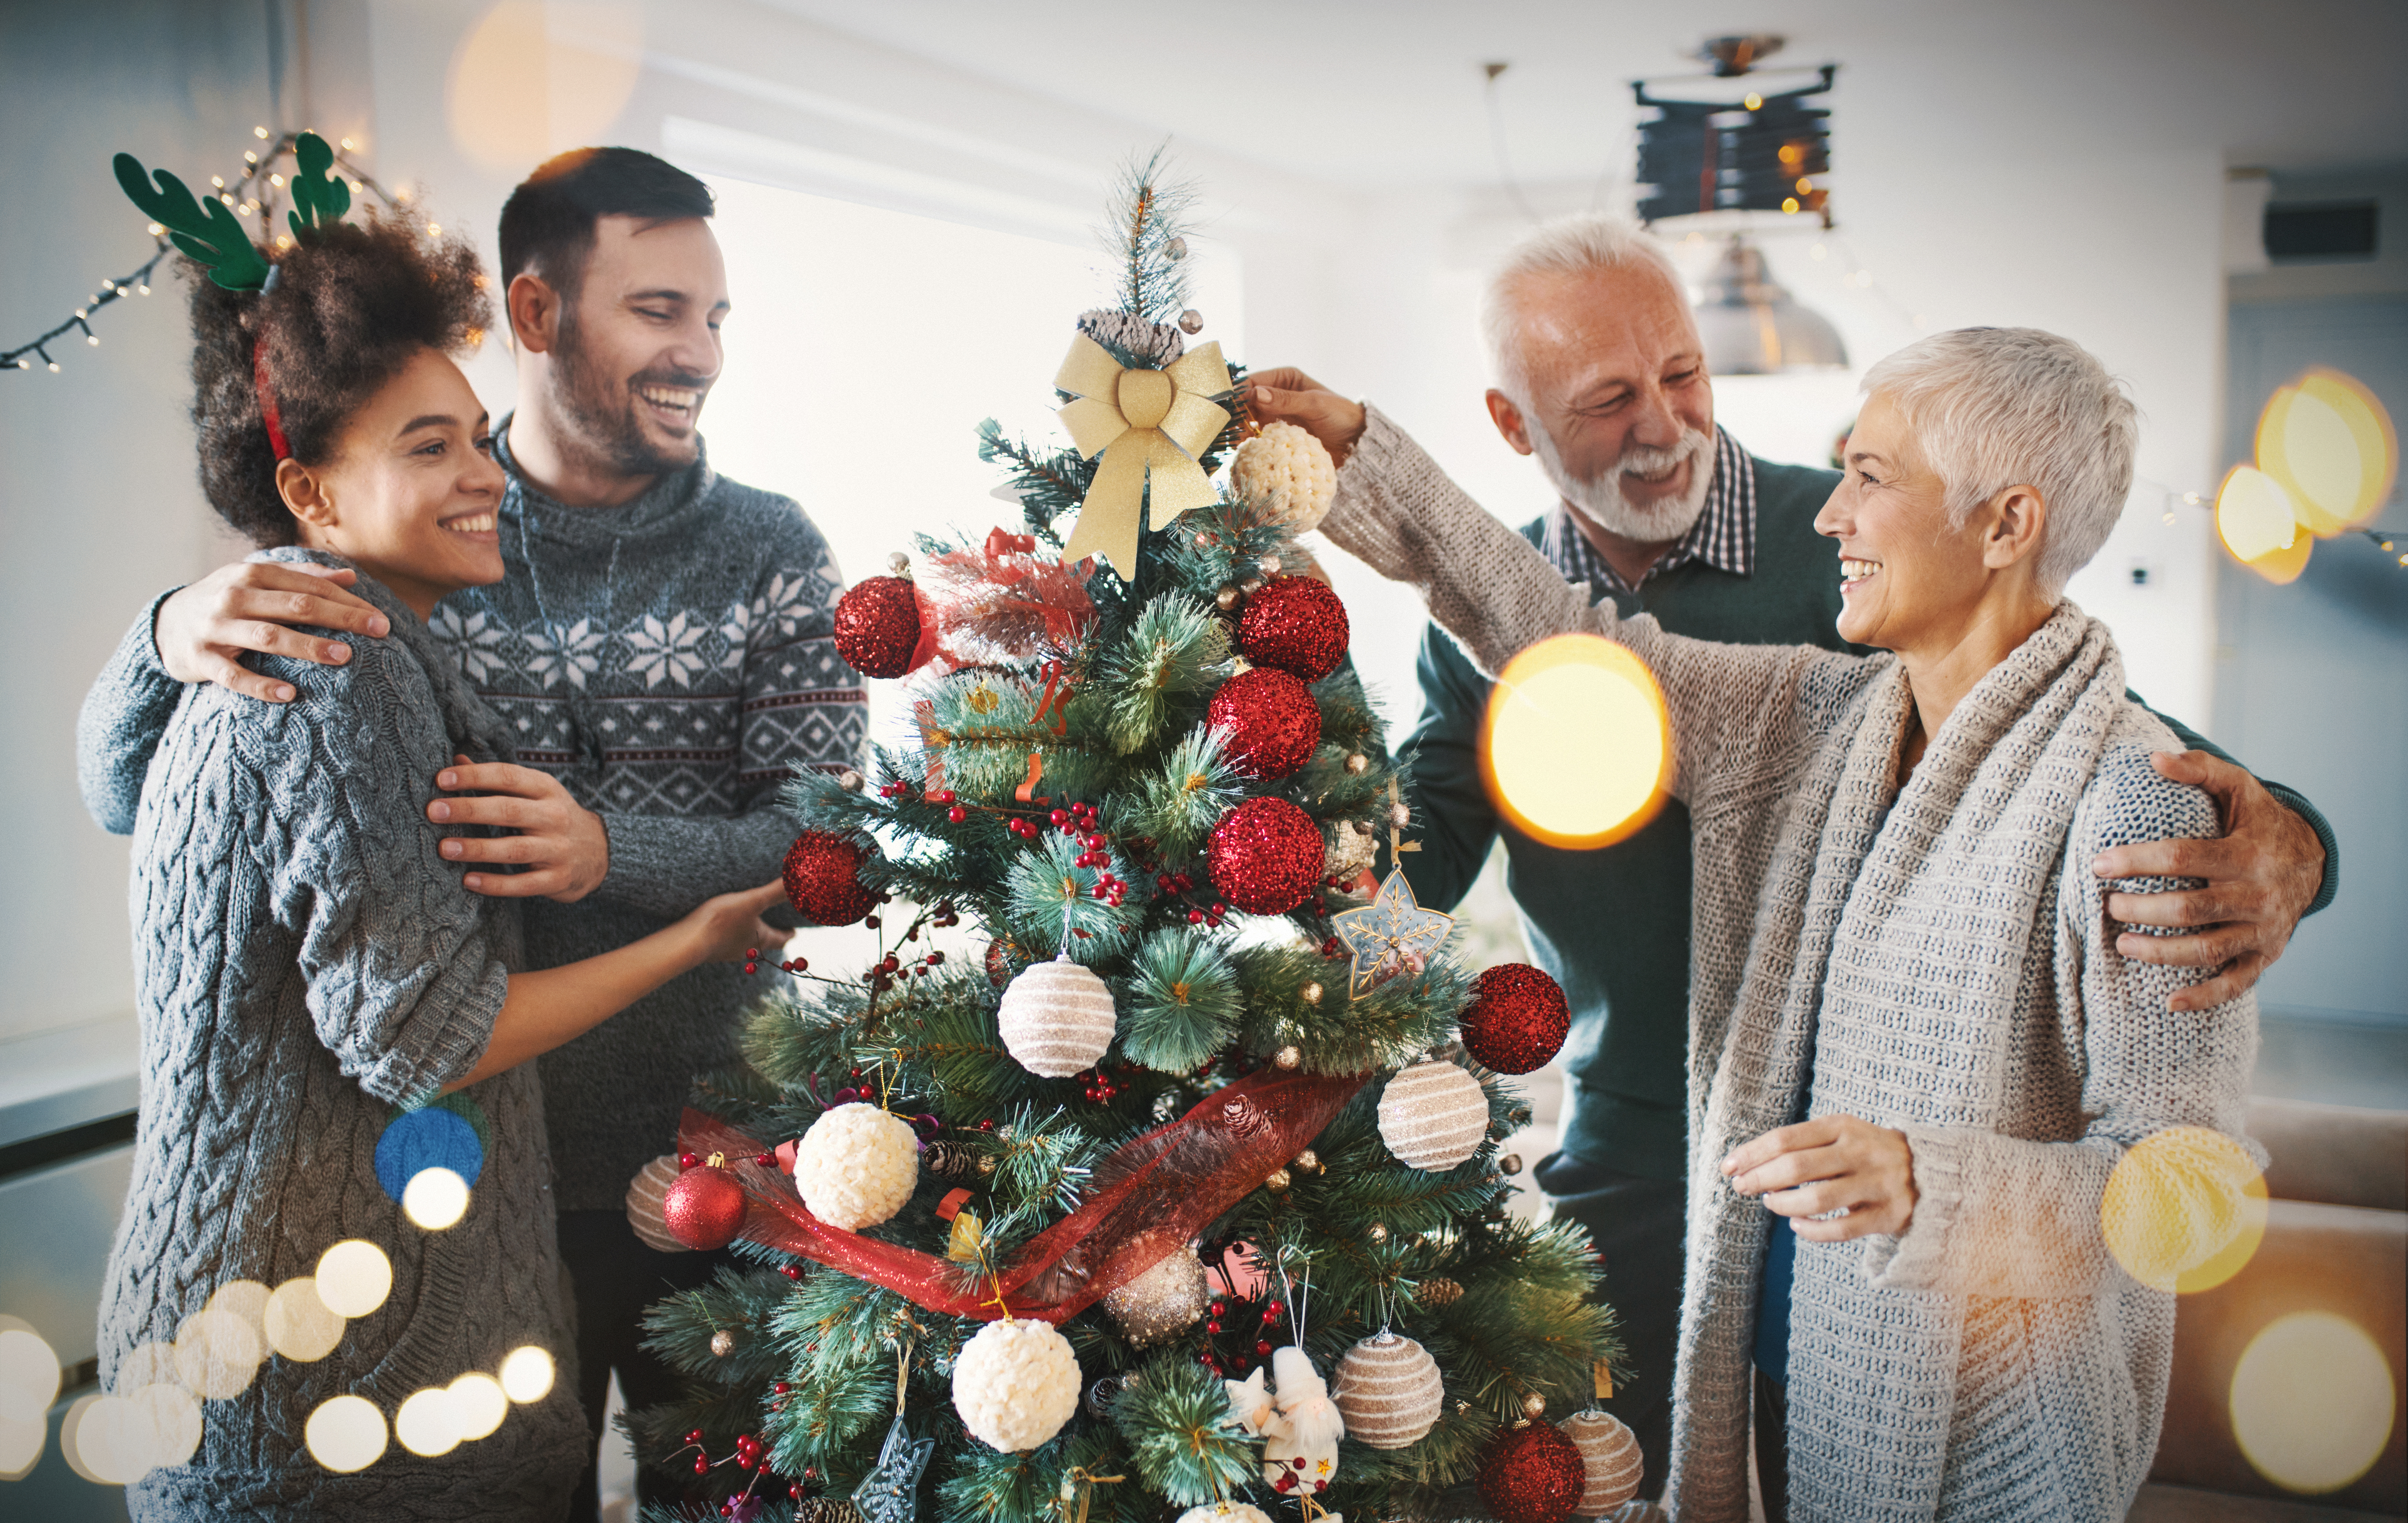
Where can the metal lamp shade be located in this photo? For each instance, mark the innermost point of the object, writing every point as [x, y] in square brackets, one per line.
[1752, 326]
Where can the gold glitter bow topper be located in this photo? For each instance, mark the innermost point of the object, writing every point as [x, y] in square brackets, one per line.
[1147, 424]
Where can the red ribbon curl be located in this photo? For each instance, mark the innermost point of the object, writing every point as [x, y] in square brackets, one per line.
[1145, 1201]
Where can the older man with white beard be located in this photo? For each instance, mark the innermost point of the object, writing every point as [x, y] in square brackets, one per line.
[1601, 375]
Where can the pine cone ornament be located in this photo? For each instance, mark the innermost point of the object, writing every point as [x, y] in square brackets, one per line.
[857, 1166]
[1531, 1475]
[1015, 1385]
[704, 1207]
[824, 879]
[1285, 476]
[1433, 1115]
[1296, 623]
[1149, 344]
[1161, 1303]
[1610, 1460]
[1056, 1018]
[647, 1198]
[1517, 1020]
[1265, 856]
[1268, 719]
[1389, 1392]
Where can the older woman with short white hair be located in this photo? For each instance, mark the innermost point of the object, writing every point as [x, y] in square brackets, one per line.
[1911, 1034]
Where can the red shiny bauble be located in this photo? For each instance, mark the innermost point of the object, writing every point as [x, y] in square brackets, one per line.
[824, 879]
[1296, 623]
[878, 626]
[1532, 1474]
[1267, 719]
[1517, 1019]
[1265, 855]
[704, 1208]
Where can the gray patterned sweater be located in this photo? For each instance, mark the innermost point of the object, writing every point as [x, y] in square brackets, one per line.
[1938, 957]
[672, 661]
[306, 965]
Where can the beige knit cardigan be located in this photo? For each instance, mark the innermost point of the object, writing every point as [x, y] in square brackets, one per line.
[1939, 957]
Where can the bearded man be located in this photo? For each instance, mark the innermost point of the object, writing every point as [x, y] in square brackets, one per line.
[660, 647]
[1601, 375]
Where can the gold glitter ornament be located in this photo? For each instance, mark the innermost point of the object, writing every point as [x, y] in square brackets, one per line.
[1161, 1303]
[1276, 1181]
[1307, 1162]
[722, 1343]
[1288, 1058]
[1311, 994]
[1377, 1232]
[1534, 1405]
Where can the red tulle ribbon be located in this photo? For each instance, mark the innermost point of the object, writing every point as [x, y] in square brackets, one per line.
[267, 400]
[1145, 1201]
[1002, 602]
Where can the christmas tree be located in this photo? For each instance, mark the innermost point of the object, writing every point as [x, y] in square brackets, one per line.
[1188, 1196]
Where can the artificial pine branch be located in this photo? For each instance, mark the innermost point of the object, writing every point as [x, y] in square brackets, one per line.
[1145, 227]
[1174, 1415]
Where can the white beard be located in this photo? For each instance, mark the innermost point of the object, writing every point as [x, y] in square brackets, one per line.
[1601, 500]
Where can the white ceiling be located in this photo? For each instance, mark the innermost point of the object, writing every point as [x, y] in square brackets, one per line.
[1389, 93]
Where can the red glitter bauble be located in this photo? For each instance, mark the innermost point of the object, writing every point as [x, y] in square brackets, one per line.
[1268, 721]
[878, 626]
[824, 879]
[1517, 1019]
[1532, 1474]
[1296, 623]
[1265, 856]
[704, 1208]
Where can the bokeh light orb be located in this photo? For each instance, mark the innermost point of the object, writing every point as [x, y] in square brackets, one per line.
[217, 1352]
[1576, 750]
[298, 1324]
[244, 1299]
[436, 1199]
[21, 1443]
[355, 1277]
[532, 78]
[145, 1364]
[117, 1440]
[2329, 442]
[2185, 1208]
[426, 1424]
[526, 1375]
[2256, 520]
[346, 1433]
[480, 1404]
[29, 1373]
[2311, 1401]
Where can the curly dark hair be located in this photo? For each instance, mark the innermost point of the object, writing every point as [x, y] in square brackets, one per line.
[350, 304]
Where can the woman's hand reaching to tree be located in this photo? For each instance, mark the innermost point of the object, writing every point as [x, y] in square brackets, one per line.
[1827, 1164]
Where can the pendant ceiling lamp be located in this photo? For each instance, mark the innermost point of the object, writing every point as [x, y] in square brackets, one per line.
[1752, 326]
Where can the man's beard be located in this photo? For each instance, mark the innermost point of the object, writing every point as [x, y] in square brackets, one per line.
[1601, 500]
[600, 410]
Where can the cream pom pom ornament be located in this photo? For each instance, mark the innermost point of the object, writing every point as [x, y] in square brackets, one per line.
[857, 1166]
[1389, 1392]
[1433, 1115]
[1015, 1385]
[1224, 1512]
[1056, 1018]
[1287, 477]
[1609, 1456]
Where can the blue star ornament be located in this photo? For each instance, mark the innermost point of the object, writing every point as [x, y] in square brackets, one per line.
[1389, 935]
[890, 1493]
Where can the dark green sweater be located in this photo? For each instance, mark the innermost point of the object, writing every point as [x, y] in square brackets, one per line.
[1612, 925]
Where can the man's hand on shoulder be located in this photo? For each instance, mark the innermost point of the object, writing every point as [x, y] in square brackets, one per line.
[564, 844]
[1289, 396]
[2261, 875]
[202, 630]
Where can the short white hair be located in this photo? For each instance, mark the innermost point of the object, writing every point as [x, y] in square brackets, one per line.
[1995, 408]
[1567, 246]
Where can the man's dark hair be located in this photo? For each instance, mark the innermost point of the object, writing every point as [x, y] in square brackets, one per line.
[353, 304]
[548, 222]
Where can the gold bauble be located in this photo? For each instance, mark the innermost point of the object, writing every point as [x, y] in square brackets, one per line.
[1276, 1180]
[1286, 1057]
[1534, 1405]
[1161, 1303]
[722, 1343]
[1311, 994]
[1358, 764]
[1307, 1162]
[1377, 1232]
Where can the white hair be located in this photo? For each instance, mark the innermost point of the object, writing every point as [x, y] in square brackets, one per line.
[1995, 408]
[1567, 246]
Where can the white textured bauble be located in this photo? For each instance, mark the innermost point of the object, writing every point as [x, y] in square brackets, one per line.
[1610, 1454]
[1286, 475]
[1224, 1512]
[1433, 1115]
[1056, 1018]
[1165, 1298]
[857, 1166]
[1389, 1392]
[645, 1193]
[1016, 1384]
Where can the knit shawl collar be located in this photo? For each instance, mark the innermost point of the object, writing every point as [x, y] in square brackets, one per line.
[662, 506]
[2006, 769]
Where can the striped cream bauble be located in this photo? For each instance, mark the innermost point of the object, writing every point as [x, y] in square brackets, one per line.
[1388, 1391]
[645, 1194]
[1056, 1018]
[1610, 1455]
[1433, 1115]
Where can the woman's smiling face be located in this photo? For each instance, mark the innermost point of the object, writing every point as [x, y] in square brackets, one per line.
[412, 491]
[1908, 579]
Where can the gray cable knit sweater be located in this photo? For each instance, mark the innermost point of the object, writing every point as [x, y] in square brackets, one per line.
[1939, 959]
[672, 661]
[306, 964]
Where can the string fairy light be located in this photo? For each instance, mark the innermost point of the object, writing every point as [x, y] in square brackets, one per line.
[252, 194]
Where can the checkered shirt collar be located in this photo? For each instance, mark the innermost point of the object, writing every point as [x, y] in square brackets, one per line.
[1723, 535]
